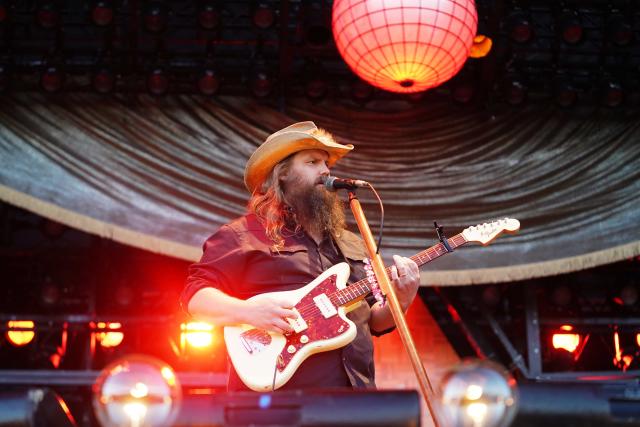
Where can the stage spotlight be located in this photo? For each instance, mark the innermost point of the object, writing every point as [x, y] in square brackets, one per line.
[361, 92]
[612, 94]
[478, 393]
[619, 30]
[565, 96]
[52, 79]
[516, 92]
[196, 335]
[208, 16]
[108, 334]
[520, 27]
[208, 82]
[20, 332]
[137, 390]
[261, 83]
[103, 81]
[157, 82]
[570, 27]
[48, 15]
[263, 16]
[102, 13]
[566, 341]
[155, 17]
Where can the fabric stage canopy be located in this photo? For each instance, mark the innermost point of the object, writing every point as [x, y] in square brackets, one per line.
[164, 173]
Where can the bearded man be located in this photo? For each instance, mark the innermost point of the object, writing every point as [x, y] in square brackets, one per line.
[293, 231]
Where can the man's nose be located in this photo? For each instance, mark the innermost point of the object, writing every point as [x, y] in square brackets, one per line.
[324, 170]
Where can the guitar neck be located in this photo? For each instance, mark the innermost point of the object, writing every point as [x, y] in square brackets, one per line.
[363, 287]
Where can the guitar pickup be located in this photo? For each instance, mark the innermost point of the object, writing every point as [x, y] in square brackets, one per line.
[324, 304]
[298, 324]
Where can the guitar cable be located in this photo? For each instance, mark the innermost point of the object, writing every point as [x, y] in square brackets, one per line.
[273, 383]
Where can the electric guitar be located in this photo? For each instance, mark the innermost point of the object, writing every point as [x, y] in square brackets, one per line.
[264, 359]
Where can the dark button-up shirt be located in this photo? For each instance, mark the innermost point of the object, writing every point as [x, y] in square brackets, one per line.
[239, 261]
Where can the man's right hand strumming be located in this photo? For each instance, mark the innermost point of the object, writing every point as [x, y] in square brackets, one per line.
[270, 313]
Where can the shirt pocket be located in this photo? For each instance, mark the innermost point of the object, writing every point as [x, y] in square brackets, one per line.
[290, 266]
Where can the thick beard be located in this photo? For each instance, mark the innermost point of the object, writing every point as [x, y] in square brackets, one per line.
[317, 210]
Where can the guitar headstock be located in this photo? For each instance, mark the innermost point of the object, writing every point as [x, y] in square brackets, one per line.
[485, 233]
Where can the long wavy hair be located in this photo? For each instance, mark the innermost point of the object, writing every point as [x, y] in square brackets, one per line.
[268, 204]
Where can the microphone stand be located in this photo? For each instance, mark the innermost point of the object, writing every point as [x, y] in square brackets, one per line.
[394, 305]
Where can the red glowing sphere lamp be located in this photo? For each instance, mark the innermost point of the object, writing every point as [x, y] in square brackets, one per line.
[404, 45]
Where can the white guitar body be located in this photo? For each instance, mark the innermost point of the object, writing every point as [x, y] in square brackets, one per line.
[322, 325]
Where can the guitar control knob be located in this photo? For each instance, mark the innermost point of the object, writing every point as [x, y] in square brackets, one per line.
[304, 339]
[291, 348]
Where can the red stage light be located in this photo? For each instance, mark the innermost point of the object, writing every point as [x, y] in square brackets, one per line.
[24, 335]
[52, 79]
[520, 27]
[208, 83]
[103, 81]
[157, 82]
[566, 96]
[516, 92]
[263, 16]
[102, 13]
[620, 30]
[48, 16]
[612, 94]
[155, 18]
[567, 342]
[406, 47]
[571, 28]
[208, 18]
[261, 84]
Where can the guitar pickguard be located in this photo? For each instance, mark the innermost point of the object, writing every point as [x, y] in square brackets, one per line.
[320, 327]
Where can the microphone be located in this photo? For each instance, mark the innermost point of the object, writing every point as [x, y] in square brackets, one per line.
[333, 183]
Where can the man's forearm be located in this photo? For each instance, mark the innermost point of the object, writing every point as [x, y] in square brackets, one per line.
[214, 305]
[381, 318]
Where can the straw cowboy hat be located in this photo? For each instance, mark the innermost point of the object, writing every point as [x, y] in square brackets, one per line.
[283, 143]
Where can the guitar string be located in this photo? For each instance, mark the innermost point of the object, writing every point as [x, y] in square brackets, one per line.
[310, 310]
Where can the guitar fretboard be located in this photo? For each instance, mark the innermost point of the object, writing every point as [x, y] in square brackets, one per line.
[363, 287]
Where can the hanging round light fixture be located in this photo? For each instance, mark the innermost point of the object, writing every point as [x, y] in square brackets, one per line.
[404, 45]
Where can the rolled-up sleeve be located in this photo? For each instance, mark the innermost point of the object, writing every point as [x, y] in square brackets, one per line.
[222, 264]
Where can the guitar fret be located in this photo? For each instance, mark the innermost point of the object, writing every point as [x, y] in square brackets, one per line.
[361, 287]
